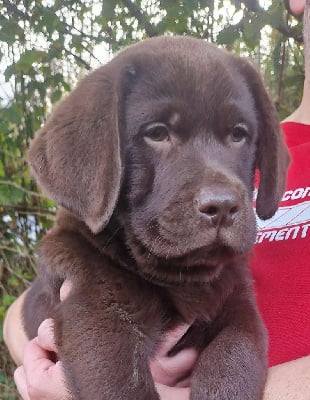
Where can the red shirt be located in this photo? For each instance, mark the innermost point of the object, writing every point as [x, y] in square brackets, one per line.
[280, 262]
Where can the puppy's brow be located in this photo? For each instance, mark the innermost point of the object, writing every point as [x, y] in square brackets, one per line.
[174, 119]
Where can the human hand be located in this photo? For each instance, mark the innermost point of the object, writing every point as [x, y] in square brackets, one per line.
[297, 6]
[65, 289]
[172, 374]
[40, 378]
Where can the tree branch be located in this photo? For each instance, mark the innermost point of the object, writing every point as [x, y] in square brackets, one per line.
[100, 37]
[143, 20]
[78, 58]
[26, 210]
[284, 29]
[29, 209]
[17, 186]
[12, 8]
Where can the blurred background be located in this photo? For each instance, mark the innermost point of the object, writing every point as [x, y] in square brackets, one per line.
[46, 46]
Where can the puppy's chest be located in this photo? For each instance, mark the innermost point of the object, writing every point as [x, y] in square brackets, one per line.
[152, 310]
[199, 304]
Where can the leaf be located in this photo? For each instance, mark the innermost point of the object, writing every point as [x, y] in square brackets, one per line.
[77, 42]
[28, 58]
[13, 113]
[275, 13]
[252, 29]
[56, 96]
[7, 300]
[10, 194]
[108, 9]
[191, 5]
[228, 35]
[48, 19]
[10, 32]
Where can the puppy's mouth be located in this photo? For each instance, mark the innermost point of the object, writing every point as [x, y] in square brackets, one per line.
[205, 258]
[194, 265]
[197, 266]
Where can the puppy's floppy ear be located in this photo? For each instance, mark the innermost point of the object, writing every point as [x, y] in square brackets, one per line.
[272, 157]
[76, 156]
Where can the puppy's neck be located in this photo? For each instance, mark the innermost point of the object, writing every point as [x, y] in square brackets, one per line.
[197, 300]
[203, 302]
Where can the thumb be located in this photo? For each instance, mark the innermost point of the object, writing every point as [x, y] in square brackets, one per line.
[46, 335]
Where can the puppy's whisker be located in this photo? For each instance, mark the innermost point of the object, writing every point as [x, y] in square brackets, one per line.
[113, 234]
[152, 247]
[168, 252]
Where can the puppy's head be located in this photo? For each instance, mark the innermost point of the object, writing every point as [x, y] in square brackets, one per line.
[174, 128]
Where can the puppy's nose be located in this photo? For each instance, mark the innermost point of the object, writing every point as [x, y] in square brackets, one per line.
[219, 205]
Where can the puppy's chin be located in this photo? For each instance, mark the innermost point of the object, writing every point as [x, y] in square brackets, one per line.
[196, 266]
[206, 258]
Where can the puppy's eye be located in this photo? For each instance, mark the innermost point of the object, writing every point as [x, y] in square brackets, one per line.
[239, 133]
[157, 132]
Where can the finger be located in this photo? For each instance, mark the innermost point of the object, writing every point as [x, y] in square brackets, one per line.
[169, 393]
[65, 289]
[174, 370]
[172, 338]
[167, 369]
[36, 359]
[46, 335]
[44, 378]
[184, 383]
[297, 6]
[182, 362]
[21, 382]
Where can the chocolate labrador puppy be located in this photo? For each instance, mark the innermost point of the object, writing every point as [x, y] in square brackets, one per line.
[152, 158]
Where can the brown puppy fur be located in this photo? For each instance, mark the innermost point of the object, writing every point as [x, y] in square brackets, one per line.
[152, 158]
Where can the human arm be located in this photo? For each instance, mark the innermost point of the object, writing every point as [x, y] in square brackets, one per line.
[14, 335]
[44, 378]
[40, 378]
[289, 381]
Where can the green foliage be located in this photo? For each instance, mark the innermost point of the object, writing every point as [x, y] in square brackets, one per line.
[7, 388]
[46, 46]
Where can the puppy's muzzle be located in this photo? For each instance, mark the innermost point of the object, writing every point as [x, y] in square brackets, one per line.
[219, 205]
